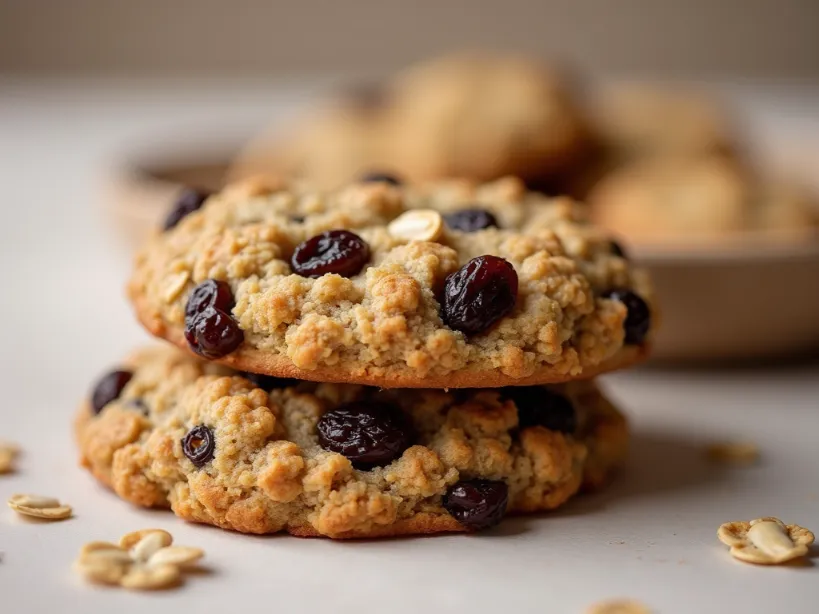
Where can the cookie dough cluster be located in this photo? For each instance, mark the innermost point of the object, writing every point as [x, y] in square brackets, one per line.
[382, 359]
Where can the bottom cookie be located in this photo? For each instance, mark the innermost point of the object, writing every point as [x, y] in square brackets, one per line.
[260, 455]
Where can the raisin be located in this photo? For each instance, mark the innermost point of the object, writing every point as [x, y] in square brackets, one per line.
[477, 504]
[210, 329]
[108, 389]
[213, 333]
[369, 434]
[198, 445]
[548, 184]
[479, 294]
[539, 406]
[638, 318]
[617, 249]
[189, 201]
[470, 220]
[378, 177]
[268, 382]
[335, 251]
[210, 293]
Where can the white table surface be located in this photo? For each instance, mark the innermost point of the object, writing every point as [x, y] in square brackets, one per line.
[652, 536]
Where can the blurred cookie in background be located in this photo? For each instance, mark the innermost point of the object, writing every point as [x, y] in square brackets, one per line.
[478, 116]
[484, 116]
[632, 121]
[695, 200]
[327, 146]
[638, 121]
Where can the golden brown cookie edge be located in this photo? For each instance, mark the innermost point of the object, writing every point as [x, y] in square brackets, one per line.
[424, 523]
[259, 361]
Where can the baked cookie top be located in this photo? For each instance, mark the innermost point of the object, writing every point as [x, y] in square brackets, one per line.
[439, 286]
[262, 455]
[471, 115]
[708, 198]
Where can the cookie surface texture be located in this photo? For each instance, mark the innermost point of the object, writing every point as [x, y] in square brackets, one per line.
[207, 443]
[313, 285]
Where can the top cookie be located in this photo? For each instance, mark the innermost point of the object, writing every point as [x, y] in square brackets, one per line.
[447, 285]
[464, 115]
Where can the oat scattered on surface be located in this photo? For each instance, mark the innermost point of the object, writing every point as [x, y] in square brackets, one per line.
[733, 453]
[418, 225]
[765, 541]
[143, 560]
[46, 508]
[129, 540]
[8, 452]
[618, 606]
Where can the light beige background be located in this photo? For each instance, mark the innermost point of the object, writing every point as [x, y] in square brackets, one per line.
[702, 38]
[651, 537]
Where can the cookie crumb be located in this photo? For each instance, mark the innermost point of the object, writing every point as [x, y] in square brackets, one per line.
[765, 541]
[8, 452]
[733, 453]
[618, 606]
[143, 560]
[45, 508]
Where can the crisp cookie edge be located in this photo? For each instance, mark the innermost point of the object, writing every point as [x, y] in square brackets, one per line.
[261, 361]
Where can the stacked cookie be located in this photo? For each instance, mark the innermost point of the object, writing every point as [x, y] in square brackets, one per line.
[377, 360]
[474, 115]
